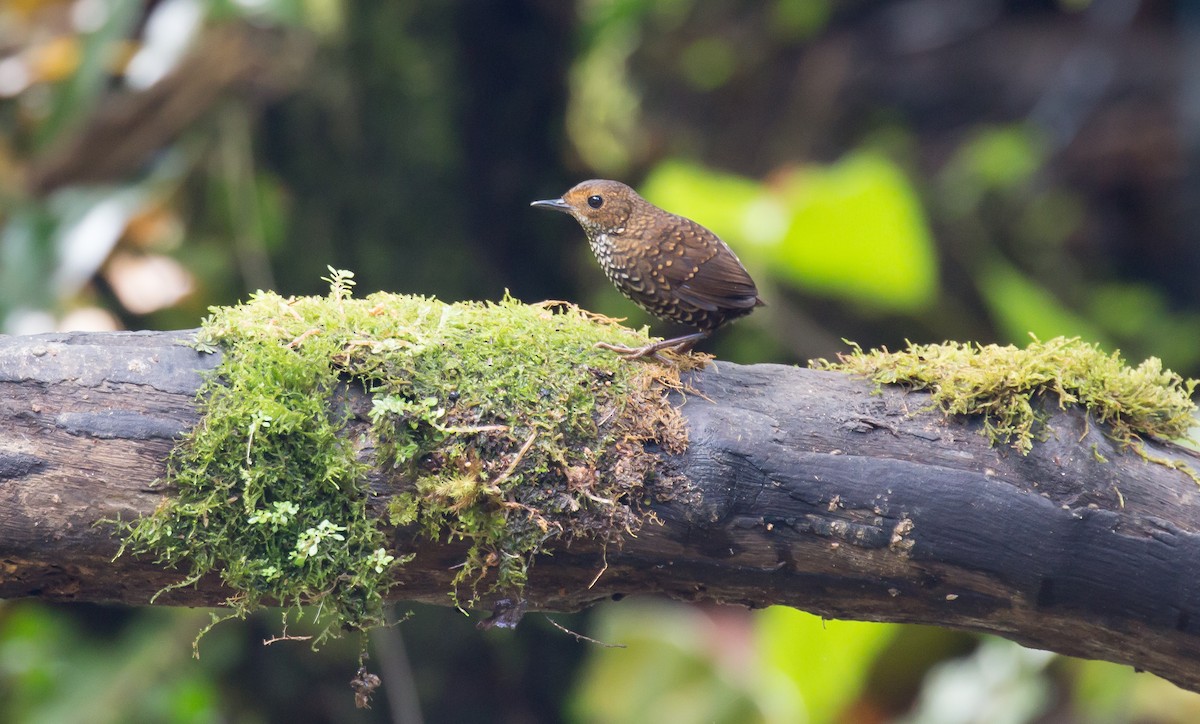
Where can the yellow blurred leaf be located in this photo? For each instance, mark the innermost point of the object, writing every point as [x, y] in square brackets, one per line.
[27, 8]
[55, 60]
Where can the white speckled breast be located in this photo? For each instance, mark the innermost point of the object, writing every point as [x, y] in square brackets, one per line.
[602, 247]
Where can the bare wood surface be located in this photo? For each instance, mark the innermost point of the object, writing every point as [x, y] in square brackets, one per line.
[811, 492]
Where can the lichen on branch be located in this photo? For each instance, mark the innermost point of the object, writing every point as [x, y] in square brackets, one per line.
[1002, 383]
[497, 424]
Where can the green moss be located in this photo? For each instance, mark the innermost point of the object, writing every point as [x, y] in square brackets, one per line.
[497, 424]
[1002, 384]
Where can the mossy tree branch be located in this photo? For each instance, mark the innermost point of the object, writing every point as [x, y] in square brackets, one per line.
[810, 492]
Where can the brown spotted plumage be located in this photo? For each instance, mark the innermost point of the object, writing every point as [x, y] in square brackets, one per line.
[672, 267]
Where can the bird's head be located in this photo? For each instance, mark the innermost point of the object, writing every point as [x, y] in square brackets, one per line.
[600, 206]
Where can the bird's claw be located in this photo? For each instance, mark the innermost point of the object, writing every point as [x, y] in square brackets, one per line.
[650, 350]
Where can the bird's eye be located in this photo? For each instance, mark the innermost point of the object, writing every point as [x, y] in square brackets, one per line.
[595, 201]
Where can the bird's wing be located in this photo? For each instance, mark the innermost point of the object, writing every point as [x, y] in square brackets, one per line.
[707, 275]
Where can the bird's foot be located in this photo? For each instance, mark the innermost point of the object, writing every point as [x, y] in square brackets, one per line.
[650, 350]
[680, 345]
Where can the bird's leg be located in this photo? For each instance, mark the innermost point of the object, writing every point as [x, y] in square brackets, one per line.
[677, 344]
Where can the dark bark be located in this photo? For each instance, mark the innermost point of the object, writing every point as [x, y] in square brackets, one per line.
[812, 492]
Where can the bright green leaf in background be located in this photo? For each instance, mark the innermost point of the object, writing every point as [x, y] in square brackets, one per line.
[859, 232]
[854, 230]
[683, 664]
[680, 665]
[828, 661]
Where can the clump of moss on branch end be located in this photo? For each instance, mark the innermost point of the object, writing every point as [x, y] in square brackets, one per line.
[1001, 384]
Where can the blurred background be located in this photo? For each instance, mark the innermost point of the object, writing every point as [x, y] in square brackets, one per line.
[887, 169]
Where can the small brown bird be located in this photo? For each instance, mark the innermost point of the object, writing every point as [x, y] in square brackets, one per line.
[670, 266]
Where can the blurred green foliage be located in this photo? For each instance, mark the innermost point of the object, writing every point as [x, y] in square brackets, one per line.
[53, 671]
[682, 665]
[829, 662]
[1021, 305]
[854, 231]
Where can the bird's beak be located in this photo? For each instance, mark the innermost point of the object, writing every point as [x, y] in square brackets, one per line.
[556, 204]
